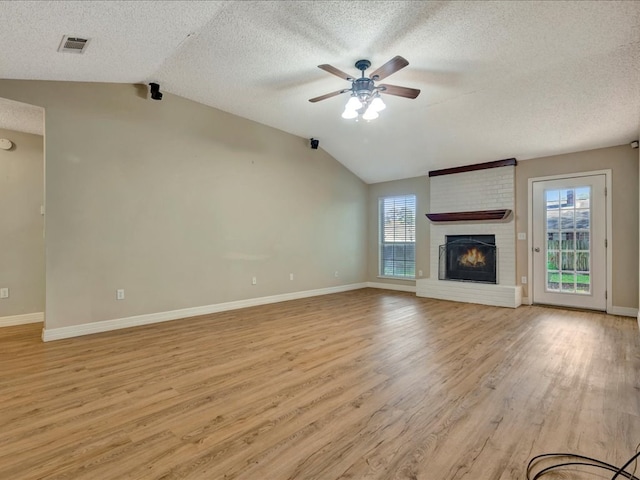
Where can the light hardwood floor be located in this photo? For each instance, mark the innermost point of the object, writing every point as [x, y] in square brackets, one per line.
[368, 384]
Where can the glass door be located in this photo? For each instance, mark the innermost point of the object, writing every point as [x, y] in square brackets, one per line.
[569, 257]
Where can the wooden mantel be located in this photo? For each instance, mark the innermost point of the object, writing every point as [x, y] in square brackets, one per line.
[471, 168]
[478, 215]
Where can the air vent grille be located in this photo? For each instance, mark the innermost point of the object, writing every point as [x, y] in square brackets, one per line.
[71, 44]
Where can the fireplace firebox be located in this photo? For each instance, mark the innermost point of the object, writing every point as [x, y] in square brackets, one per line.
[469, 258]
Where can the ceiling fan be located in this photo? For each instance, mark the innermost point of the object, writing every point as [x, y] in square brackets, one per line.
[365, 94]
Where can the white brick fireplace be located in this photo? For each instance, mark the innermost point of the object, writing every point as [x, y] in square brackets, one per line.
[484, 189]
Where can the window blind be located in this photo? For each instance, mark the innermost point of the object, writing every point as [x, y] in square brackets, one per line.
[397, 223]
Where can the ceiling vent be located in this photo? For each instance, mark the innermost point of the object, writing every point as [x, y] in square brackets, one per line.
[73, 44]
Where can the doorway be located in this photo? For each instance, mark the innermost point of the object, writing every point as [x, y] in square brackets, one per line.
[569, 241]
[22, 259]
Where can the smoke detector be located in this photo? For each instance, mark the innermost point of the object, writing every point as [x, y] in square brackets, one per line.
[71, 44]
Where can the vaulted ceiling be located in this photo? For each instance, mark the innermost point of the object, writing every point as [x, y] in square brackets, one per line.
[497, 79]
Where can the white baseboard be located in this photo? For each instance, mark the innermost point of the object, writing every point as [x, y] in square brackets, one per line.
[146, 319]
[392, 286]
[624, 311]
[11, 320]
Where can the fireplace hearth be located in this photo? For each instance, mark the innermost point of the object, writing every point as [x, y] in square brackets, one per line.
[469, 258]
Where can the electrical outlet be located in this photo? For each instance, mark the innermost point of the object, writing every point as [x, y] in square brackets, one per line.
[291, 276]
[254, 280]
[120, 294]
[336, 274]
[4, 293]
[523, 280]
[522, 235]
[419, 273]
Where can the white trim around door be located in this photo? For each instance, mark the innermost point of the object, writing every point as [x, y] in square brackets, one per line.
[609, 229]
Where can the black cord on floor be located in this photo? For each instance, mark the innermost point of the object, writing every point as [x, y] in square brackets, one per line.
[621, 471]
[589, 462]
[592, 462]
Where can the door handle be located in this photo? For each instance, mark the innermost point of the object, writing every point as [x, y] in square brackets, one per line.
[537, 249]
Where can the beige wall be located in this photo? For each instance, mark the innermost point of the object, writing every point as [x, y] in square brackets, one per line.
[418, 186]
[623, 162]
[181, 205]
[22, 225]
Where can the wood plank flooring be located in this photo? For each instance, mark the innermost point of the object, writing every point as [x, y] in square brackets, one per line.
[368, 384]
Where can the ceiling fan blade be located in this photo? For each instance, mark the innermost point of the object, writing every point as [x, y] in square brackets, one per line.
[336, 72]
[328, 95]
[405, 92]
[392, 66]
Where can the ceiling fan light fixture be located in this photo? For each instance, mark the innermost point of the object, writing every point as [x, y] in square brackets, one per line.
[349, 114]
[377, 104]
[370, 114]
[354, 103]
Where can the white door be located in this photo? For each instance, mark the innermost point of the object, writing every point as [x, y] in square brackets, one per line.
[569, 242]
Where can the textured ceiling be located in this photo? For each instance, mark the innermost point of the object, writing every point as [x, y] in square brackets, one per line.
[498, 79]
[21, 117]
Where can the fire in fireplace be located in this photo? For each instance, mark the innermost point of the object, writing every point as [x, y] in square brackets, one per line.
[469, 258]
[473, 257]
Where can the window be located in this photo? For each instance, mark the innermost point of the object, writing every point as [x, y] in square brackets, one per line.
[397, 223]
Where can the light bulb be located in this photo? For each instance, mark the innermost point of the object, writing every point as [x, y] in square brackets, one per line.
[349, 114]
[370, 114]
[354, 104]
[377, 104]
